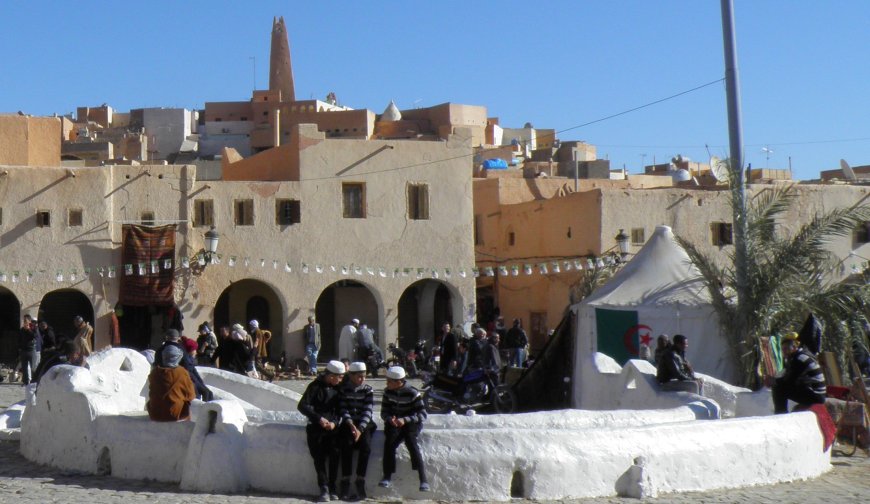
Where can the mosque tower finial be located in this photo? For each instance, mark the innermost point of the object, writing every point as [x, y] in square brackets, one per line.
[280, 69]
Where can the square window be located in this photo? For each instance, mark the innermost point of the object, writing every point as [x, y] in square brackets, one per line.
[244, 210]
[203, 212]
[287, 212]
[43, 218]
[147, 218]
[418, 201]
[75, 217]
[353, 195]
[862, 233]
[638, 236]
[721, 233]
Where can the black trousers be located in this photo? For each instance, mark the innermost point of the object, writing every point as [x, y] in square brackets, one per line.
[323, 446]
[363, 445]
[393, 437]
[801, 394]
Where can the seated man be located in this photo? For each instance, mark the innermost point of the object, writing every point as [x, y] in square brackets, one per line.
[356, 404]
[170, 390]
[802, 380]
[66, 354]
[674, 373]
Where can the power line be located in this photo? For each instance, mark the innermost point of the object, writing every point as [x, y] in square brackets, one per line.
[462, 156]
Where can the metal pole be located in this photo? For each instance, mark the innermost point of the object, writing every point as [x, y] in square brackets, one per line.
[735, 136]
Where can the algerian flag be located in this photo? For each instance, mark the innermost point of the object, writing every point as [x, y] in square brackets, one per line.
[620, 335]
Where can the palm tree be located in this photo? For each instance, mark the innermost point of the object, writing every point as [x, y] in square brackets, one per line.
[788, 277]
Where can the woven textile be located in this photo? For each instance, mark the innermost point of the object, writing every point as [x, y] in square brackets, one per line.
[150, 281]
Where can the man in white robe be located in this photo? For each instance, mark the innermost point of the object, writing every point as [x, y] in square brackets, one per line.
[347, 341]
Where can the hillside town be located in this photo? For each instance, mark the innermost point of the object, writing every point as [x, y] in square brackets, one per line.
[337, 241]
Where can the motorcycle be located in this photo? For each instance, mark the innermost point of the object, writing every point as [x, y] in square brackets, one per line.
[424, 360]
[404, 358]
[374, 359]
[477, 390]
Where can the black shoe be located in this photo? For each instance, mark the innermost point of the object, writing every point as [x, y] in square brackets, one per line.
[361, 489]
[324, 494]
[344, 489]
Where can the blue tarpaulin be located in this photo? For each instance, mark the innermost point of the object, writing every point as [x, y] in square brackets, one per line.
[495, 164]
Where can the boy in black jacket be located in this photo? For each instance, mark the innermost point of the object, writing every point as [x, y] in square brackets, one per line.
[320, 404]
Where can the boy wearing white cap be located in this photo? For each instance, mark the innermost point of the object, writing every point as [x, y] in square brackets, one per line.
[320, 404]
[403, 413]
[356, 404]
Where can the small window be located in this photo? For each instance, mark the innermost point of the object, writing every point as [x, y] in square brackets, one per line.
[638, 236]
[418, 201]
[478, 230]
[203, 212]
[243, 118]
[353, 200]
[147, 218]
[244, 210]
[287, 212]
[43, 218]
[1, 216]
[75, 217]
[512, 239]
[721, 233]
[265, 112]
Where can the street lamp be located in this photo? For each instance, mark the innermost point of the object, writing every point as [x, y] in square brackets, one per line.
[211, 244]
[622, 243]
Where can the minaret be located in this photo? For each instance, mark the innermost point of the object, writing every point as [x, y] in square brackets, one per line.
[280, 71]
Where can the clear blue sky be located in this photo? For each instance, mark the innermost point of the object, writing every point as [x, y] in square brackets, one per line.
[557, 64]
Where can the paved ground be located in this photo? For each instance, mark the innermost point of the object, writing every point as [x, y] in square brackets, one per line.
[23, 481]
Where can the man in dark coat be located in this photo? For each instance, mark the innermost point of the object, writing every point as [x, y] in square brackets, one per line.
[803, 381]
[674, 372]
[320, 404]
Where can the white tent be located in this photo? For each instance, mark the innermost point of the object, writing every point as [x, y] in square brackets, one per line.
[658, 292]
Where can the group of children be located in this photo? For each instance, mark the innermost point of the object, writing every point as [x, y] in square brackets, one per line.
[339, 406]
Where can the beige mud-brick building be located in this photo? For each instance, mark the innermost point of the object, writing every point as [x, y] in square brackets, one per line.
[376, 230]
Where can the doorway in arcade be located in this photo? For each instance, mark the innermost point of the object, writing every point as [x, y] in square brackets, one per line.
[248, 300]
[10, 323]
[423, 308]
[59, 308]
[337, 305]
[144, 327]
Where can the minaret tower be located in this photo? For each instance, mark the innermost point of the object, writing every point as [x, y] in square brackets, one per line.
[280, 70]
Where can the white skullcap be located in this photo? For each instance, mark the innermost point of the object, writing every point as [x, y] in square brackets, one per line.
[357, 367]
[254, 323]
[335, 367]
[355, 320]
[396, 373]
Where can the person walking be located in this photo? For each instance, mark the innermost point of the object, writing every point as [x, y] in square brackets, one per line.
[356, 404]
[311, 337]
[320, 404]
[84, 336]
[403, 414]
[28, 352]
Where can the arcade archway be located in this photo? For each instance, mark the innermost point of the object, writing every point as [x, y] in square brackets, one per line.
[252, 299]
[423, 308]
[337, 305]
[10, 322]
[60, 307]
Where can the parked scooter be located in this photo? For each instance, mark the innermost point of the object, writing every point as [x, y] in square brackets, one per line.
[405, 358]
[374, 359]
[477, 390]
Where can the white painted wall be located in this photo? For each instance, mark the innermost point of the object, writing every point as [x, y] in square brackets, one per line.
[467, 458]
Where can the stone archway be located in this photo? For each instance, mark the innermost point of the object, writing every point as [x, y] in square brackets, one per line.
[252, 299]
[60, 307]
[337, 305]
[424, 307]
[10, 322]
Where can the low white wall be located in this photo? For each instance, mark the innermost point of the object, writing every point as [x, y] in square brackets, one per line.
[258, 393]
[604, 385]
[74, 422]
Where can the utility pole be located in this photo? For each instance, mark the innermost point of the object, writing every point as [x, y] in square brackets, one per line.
[738, 176]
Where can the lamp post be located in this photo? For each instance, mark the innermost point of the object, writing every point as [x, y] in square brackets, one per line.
[622, 242]
[211, 244]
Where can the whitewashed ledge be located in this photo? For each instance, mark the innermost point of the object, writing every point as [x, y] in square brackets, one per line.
[93, 421]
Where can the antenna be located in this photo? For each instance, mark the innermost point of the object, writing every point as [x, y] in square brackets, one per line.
[767, 152]
[847, 171]
[719, 169]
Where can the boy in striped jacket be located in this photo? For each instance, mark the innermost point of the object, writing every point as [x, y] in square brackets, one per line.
[403, 414]
[356, 404]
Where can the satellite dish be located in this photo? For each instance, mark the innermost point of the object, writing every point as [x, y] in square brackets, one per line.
[847, 171]
[719, 169]
[681, 175]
